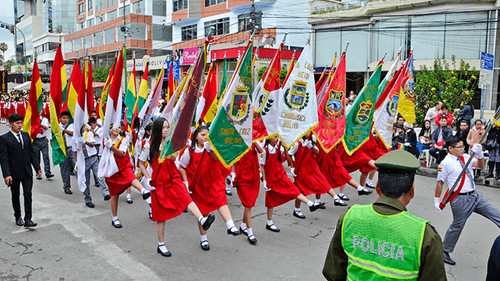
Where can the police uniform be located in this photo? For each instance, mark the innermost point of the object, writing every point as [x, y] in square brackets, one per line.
[408, 247]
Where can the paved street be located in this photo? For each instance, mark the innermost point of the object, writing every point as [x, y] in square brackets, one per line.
[73, 242]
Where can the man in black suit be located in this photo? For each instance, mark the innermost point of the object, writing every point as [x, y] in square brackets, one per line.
[16, 158]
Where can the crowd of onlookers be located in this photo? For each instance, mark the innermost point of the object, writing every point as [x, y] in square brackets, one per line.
[437, 127]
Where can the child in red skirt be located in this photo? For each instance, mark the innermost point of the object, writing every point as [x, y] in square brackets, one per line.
[375, 148]
[279, 188]
[307, 175]
[125, 176]
[247, 183]
[333, 169]
[359, 160]
[169, 197]
[204, 175]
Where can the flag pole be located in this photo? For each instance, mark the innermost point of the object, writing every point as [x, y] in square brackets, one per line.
[345, 50]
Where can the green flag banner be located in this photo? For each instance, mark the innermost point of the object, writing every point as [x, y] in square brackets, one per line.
[360, 116]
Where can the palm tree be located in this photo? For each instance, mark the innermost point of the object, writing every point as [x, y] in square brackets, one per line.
[3, 48]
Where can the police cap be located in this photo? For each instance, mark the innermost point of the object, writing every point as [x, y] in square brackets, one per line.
[397, 162]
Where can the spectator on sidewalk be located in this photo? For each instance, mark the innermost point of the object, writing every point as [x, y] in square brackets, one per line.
[493, 147]
[444, 113]
[466, 113]
[439, 136]
[463, 133]
[432, 113]
[424, 138]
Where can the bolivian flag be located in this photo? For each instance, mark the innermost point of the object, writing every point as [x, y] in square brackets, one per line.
[31, 123]
[143, 94]
[58, 84]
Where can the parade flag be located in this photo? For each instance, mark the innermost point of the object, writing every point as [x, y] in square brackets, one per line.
[231, 131]
[130, 99]
[143, 93]
[360, 116]
[388, 78]
[406, 104]
[326, 84]
[320, 80]
[385, 114]
[183, 113]
[80, 120]
[212, 111]
[386, 106]
[31, 123]
[170, 89]
[153, 99]
[331, 110]
[74, 84]
[297, 105]
[208, 96]
[105, 91]
[114, 101]
[290, 68]
[179, 94]
[496, 118]
[58, 83]
[89, 87]
[266, 93]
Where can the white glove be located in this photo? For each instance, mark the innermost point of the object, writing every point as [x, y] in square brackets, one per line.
[478, 150]
[187, 186]
[308, 144]
[265, 186]
[407, 144]
[292, 170]
[206, 146]
[107, 143]
[437, 201]
[87, 126]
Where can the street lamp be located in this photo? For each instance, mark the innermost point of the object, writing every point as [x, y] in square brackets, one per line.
[24, 54]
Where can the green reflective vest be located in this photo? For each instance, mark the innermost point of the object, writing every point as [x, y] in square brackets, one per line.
[382, 247]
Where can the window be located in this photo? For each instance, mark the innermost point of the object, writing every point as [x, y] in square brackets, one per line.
[180, 5]
[160, 8]
[213, 2]
[138, 7]
[86, 42]
[162, 33]
[111, 15]
[99, 5]
[109, 36]
[80, 9]
[97, 39]
[245, 21]
[67, 46]
[90, 22]
[127, 10]
[189, 32]
[89, 5]
[77, 44]
[111, 3]
[221, 26]
[81, 26]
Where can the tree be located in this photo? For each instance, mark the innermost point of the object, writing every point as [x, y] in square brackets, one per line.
[452, 84]
[100, 73]
[283, 73]
[3, 47]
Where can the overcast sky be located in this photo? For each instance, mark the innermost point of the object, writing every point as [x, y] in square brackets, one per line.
[7, 15]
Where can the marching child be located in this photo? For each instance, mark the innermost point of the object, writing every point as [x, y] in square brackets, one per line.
[170, 196]
[278, 185]
[204, 176]
[121, 180]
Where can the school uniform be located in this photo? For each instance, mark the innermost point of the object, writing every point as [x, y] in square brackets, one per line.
[92, 163]
[247, 181]
[122, 179]
[170, 196]
[282, 188]
[309, 178]
[206, 179]
[357, 161]
[332, 167]
[21, 108]
[41, 144]
[68, 164]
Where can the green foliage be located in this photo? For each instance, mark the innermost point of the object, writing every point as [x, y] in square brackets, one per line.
[100, 74]
[453, 84]
[8, 64]
[283, 73]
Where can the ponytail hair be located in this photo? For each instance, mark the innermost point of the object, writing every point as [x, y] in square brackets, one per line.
[156, 136]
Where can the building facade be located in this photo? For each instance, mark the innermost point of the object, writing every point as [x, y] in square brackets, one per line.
[433, 29]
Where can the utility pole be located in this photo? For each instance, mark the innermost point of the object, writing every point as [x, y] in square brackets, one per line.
[252, 17]
[124, 29]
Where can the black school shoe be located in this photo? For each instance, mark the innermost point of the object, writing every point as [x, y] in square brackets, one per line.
[298, 214]
[234, 231]
[204, 245]
[272, 228]
[165, 254]
[208, 222]
[252, 239]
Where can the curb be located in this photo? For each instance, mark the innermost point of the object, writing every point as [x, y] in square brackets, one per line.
[430, 172]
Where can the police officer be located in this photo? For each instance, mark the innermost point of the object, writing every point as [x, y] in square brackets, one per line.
[383, 241]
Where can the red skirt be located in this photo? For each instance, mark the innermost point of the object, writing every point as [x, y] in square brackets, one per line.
[247, 180]
[373, 149]
[333, 169]
[309, 178]
[120, 181]
[209, 188]
[170, 198]
[281, 192]
[357, 161]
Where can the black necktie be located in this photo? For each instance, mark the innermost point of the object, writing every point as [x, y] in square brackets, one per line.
[20, 140]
